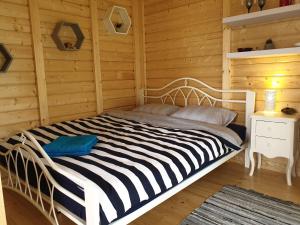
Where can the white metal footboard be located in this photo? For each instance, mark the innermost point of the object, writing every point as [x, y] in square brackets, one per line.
[21, 156]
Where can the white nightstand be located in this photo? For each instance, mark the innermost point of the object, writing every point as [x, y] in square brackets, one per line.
[275, 135]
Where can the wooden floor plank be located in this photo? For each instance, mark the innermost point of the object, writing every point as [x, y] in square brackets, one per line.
[171, 212]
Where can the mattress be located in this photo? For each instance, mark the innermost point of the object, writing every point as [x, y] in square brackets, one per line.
[240, 130]
[135, 160]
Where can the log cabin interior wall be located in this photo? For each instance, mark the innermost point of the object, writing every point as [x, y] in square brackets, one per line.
[184, 38]
[18, 92]
[117, 61]
[181, 38]
[69, 90]
[280, 73]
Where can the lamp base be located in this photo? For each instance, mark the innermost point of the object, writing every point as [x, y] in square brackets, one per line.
[270, 100]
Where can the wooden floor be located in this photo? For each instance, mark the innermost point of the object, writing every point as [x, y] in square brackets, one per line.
[171, 212]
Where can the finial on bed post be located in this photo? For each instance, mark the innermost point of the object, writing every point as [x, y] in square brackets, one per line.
[185, 82]
[250, 107]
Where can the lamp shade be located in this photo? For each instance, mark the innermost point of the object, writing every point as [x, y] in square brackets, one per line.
[270, 100]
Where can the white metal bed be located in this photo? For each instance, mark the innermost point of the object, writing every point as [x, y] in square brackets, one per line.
[184, 87]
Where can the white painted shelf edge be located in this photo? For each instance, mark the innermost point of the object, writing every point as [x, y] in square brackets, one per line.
[264, 53]
[263, 16]
[126, 20]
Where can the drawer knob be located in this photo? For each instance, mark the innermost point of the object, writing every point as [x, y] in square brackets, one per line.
[268, 144]
[269, 129]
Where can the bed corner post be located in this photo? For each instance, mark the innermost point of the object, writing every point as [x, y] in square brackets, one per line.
[250, 107]
[92, 205]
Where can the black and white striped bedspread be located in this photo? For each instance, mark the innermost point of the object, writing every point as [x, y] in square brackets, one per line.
[133, 162]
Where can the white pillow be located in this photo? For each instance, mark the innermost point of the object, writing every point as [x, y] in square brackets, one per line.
[158, 109]
[212, 115]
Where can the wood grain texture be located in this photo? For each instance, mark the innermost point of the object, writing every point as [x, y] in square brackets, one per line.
[175, 209]
[226, 65]
[183, 38]
[186, 39]
[45, 84]
[96, 54]
[58, 62]
[39, 61]
[139, 47]
[19, 103]
[117, 54]
[280, 73]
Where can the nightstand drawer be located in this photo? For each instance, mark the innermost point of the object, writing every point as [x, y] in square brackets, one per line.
[271, 147]
[271, 129]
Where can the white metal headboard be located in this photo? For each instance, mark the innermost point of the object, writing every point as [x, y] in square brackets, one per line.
[187, 87]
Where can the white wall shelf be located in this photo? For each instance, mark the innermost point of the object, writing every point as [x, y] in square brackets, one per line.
[263, 16]
[264, 53]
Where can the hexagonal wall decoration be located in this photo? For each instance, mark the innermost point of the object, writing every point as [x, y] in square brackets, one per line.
[117, 20]
[7, 58]
[67, 45]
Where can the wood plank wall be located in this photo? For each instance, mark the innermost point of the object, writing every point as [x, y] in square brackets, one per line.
[281, 73]
[69, 74]
[18, 91]
[183, 38]
[70, 79]
[117, 62]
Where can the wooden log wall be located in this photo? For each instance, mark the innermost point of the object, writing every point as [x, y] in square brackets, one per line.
[46, 85]
[183, 38]
[69, 74]
[280, 73]
[117, 63]
[19, 107]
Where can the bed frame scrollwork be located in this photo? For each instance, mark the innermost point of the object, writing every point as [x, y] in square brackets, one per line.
[21, 155]
[186, 87]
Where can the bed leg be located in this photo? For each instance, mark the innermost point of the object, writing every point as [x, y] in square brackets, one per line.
[247, 158]
[92, 206]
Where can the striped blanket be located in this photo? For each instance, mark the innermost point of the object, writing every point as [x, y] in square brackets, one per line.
[132, 163]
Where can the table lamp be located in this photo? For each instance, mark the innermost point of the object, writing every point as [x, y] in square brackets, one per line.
[270, 100]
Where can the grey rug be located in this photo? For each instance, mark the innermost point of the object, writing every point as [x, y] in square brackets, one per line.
[234, 205]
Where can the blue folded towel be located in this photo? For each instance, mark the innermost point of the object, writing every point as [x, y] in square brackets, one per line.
[71, 146]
